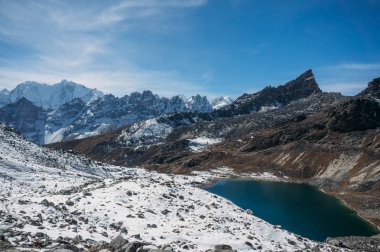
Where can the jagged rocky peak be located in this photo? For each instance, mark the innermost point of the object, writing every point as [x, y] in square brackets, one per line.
[372, 89]
[221, 101]
[198, 103]
[273, 97]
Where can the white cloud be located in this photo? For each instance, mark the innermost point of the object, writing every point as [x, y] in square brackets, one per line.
[345, 88]
[356, 66]
[347, 78]
[74, 40]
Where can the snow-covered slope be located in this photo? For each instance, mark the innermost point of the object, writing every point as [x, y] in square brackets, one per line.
[221, 101]
[46, 195]
[50, 96]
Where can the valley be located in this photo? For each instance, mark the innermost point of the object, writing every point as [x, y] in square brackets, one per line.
[293, 133]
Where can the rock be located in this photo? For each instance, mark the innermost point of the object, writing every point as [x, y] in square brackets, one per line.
[42, 235]
[46, 203]
[131, 247]
[77, 239]
[116, 226]
[4, 243]
[223, 248]
[96, 247]
[65, 248]
[69, 203]
[117, 243]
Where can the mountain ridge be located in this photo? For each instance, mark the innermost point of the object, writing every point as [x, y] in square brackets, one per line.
[325, 139]
[100, 113]
[50, 96]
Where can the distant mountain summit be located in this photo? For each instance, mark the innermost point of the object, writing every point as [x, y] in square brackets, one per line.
[273, 97]
[49, 96]
[221, 101]
[198, 104]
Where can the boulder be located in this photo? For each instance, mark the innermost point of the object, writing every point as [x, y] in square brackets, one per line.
[117, 243]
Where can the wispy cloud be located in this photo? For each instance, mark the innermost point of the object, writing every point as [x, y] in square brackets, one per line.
[347, 78]
[356, 66]
[74, 40]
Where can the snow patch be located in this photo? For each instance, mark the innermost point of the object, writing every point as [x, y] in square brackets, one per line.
[201, 143]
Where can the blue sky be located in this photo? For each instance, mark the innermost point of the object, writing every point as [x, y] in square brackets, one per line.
[212, 47]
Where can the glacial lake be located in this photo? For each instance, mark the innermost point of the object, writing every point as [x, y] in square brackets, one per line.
[299, 208]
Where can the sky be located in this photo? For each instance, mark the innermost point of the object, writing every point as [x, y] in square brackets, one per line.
[211, 47]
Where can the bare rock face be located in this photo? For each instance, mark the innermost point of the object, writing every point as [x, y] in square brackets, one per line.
[273, 97]
[356, 114]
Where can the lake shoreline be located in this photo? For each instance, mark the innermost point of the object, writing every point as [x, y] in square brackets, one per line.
[272, 178]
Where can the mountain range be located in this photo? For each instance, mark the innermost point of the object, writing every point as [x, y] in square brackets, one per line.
[295, 131]
[66, 110]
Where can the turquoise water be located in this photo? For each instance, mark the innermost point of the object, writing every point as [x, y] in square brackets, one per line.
[299, 208]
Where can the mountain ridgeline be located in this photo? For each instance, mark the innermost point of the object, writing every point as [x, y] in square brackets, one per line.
[294, 131]
[51, 113]
[64, 111]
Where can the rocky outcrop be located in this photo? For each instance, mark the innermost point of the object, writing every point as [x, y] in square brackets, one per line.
[273, 97]
[373, 89]
[356, 114]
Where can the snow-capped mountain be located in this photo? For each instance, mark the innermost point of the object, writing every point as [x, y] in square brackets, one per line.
[221, 101]
[49, 96]
[71, 111]
[78, 120]
[198, 104]
[84, 112]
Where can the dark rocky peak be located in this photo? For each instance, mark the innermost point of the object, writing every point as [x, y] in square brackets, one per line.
[373, 88]
[4, 91]
[21, 103]
[26, 117]
[273, 97]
